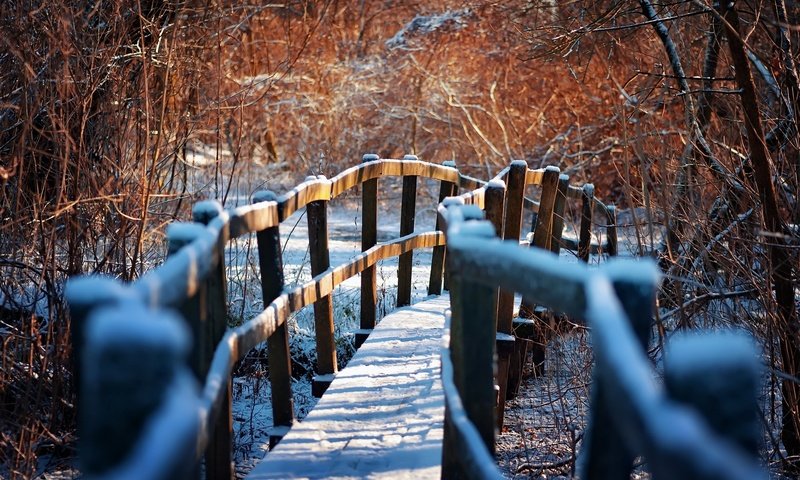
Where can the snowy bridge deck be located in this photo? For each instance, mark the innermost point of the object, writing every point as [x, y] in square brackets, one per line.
[382, 417]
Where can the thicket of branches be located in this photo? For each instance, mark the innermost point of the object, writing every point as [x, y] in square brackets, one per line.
[106, 106]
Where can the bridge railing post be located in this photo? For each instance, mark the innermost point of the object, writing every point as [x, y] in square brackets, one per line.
[528, 326]
[587, 216]
[270, 263]
[195, 309]
[607, 456]
[408, 212]
[611, 230]
[133, 362]
[473, 308]
[717, 374]
[495, 203]
[317, 212]
[512, 227]
[369, 238]
[559, 207]
[446, 189]
[219, 454]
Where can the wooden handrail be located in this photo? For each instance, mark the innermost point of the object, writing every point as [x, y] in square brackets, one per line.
[195, 270]
[682, 446]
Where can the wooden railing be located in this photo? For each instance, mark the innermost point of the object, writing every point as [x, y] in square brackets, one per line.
[165, 426]
[630, 414]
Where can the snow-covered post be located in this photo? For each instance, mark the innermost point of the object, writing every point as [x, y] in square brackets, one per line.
[133, 361]
[607, 455]
[219, 457]
[542, 237]
[446, 189]
[611, 230]
[494, 205]
[270, 262]
[369, 237]
[472, 333]
[408, 212]
[587, 215]
[195, 309]
[317, 212]
[85, 295]
[718, 375]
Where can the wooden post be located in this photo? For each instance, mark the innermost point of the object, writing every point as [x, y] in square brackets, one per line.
[446, 282]
[84, 296]
[317, 213]
[512, 227]
[611, 230]
[557, 226]
[587, 216]
[718, 374]
[606, 454]
[219, 455]
[446, 189]
[535, 329]
[270, 262]
[495, 212]
[408, 211]
[472, 342]
[195, 309]
[369, 237]
[132, 359]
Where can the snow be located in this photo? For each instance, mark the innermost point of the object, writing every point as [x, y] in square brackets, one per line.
[182, 233]
[496, 183]
[382, 417]
[719, 352]
[130, 324]
[425, 24]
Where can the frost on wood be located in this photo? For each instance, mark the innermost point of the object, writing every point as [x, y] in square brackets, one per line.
[718, 374]
[426, 24]
[132, 356]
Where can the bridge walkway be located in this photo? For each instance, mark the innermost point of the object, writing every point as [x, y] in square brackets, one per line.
[382, 417]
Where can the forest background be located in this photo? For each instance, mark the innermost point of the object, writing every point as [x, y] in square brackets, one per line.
[682, 112]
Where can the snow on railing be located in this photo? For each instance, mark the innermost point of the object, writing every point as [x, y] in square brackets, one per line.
[701, 426]
[193, 280]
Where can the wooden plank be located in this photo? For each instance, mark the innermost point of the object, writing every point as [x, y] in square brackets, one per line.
[408, 213]
[369, 237]
[314, 189]
[382, 416]
[248, 219]
[377, 168]
[534, 177]
[317, 213]
[270, 263]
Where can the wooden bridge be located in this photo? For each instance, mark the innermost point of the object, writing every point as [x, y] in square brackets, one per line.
[425, 393]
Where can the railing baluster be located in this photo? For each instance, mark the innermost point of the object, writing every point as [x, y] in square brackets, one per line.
[446, 189]
[408, 211]
[606, 453]
[270, 263]
[472, 348]
[557, 227]
[611, 230]
[133, 360]
[528, 326]
[317, 213]
[369, 237]
[195, 309]
[512, 227]
[219, 455]
[495, 201]
[587, 215]
[718, 375]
